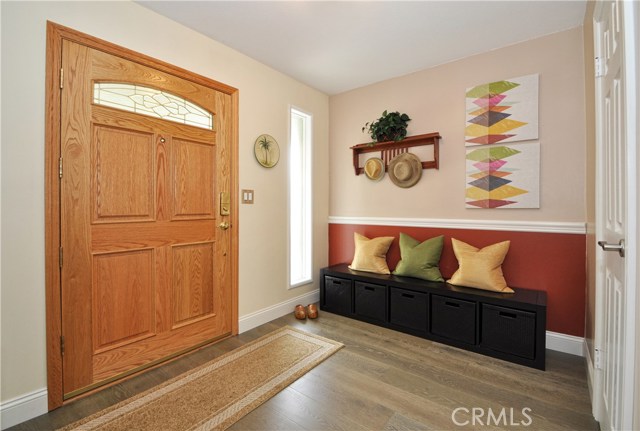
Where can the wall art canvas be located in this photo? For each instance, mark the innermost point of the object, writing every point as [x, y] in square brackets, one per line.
[503, 176]
[502, 111]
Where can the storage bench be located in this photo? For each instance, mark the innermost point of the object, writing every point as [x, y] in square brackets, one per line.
[508, 326]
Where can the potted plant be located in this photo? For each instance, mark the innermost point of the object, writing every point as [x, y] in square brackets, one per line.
[392, 126]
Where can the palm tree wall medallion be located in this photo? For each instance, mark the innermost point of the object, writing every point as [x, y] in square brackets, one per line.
[267, 151]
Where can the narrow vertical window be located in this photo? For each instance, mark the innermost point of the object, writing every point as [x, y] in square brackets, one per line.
[300, 242]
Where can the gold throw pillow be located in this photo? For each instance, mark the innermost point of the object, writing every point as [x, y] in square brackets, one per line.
[371, 254]
[480, 268]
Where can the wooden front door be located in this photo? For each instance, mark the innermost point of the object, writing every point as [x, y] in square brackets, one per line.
[145, 182]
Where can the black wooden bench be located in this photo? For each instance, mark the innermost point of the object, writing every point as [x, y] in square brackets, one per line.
[508, 326]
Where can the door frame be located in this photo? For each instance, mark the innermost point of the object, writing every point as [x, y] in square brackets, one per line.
[631, 71]
[55, 35]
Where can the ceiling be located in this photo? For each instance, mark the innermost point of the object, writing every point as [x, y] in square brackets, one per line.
[336, 46]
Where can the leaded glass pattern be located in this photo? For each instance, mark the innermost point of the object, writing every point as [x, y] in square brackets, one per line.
[152, 102]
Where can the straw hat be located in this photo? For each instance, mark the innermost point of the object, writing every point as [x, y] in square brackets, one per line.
[374, 168]
[405, 170]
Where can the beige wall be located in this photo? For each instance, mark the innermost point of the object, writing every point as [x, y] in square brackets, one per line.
[434, 99]
[265, 97]
[590, 177]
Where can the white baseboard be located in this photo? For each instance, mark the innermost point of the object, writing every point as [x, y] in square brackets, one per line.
[23, 408]
[257, 318]
[565, 343]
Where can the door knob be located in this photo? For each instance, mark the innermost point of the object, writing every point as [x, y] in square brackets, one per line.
[619, 247]
[224, 225]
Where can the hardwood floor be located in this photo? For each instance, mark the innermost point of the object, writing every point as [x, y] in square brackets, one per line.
[385, 380]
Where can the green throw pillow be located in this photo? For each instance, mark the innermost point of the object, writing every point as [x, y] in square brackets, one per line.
[420, 259]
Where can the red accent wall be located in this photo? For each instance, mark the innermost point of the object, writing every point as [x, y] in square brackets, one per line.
[553, 262]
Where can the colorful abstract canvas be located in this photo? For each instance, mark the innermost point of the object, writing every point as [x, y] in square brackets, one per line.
[502, 111]
[503, 176]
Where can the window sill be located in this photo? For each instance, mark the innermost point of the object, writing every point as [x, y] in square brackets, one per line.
[301, 283]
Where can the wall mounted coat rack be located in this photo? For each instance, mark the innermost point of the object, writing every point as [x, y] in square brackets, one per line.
[391, 149]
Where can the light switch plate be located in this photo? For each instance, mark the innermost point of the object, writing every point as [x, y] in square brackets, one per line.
[247, 196]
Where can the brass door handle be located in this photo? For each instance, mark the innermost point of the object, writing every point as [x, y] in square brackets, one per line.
[224, 225]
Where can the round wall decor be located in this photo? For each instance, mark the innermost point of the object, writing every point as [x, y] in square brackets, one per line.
[267, 151]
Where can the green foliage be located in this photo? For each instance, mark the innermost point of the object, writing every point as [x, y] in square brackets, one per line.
[392, 126]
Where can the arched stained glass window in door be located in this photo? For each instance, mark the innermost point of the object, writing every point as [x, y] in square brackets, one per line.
[151, 102]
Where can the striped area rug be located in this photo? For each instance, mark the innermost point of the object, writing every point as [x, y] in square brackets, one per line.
[217, 394]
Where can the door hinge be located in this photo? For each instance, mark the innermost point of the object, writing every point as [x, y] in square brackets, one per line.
[596, 359]
[62, 345]
[598, 67]
[60, 167]
[61, 255]
[61, 78]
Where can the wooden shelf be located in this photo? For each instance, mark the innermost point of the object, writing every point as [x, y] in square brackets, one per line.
[391, 149]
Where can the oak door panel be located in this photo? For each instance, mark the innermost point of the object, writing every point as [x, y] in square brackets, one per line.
[123, 166]
[193, 179]
[193, 282]
[123, 298]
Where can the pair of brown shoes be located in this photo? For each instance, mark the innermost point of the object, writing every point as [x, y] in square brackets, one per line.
[301, 313]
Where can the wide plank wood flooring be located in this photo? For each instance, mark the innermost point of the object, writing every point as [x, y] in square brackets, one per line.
[385, 380]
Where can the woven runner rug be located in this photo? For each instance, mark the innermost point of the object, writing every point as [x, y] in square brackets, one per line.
[217, 394]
